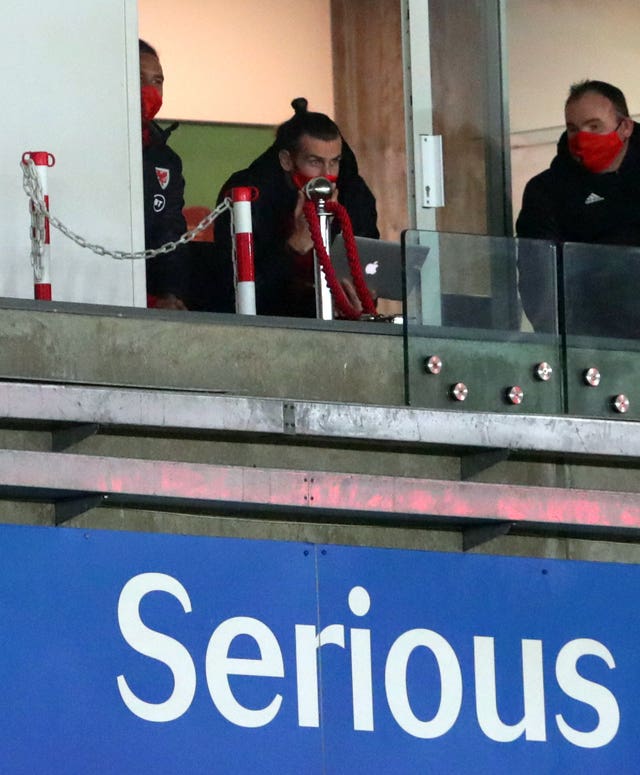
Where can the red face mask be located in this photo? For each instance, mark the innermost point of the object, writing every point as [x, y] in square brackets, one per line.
[300, 180]
[151, 101]
[596, 152]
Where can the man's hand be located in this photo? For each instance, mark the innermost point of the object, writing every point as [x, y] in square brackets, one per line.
[169, 301]
[350, 292]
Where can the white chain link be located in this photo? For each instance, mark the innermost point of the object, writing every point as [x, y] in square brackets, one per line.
[39, 211]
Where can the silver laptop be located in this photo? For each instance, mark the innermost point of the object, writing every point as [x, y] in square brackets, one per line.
[381, 262]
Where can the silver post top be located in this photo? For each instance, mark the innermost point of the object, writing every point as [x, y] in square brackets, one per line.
[318, 188]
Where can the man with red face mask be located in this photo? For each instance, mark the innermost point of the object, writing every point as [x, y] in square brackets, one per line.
[308, 145]
[163, 191]
[591, 191]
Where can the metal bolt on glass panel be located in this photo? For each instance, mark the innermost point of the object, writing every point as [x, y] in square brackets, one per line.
[433, 365]
[621, 403]
[459, 391]
[592, 377]
[515, 395]
[543, 371]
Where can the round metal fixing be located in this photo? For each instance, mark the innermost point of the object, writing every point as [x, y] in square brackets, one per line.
[515, 395]
[459, 391]
[543, 371]
[621, 403]
[592, 377]
[433, 364]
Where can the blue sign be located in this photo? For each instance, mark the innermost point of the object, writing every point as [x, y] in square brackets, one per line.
[134, 653]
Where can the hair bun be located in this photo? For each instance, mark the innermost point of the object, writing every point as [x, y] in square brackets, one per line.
[299, 105]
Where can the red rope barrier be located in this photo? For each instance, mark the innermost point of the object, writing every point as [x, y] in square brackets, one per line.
[340, 298]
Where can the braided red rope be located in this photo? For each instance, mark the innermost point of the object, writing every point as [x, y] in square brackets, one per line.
[343, 304]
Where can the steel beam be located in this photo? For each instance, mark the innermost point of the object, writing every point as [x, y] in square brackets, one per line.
[53, 477]
[214, 413]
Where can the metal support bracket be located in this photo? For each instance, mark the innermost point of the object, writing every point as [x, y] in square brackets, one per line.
[63, 438]
[67, 509]
[289, 418]
[476, 536]
[474, 463]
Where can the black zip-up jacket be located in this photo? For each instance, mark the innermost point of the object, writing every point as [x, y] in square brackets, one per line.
[567, 203]
[277, 292]
[558, 204]
[163, 219]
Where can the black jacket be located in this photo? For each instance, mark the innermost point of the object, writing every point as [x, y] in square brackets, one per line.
[567, 203]
[556, 204]
[276, 291]
[163, 219]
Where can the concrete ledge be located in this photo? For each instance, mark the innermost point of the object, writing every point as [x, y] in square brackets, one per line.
[276, 357]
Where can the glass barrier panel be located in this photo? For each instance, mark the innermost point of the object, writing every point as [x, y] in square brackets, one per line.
[480, 323]
[601, 305]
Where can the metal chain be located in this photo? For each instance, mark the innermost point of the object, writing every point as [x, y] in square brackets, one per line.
[37, 242]
[39, 211]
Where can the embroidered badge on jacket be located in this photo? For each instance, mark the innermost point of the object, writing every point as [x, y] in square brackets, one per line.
[163, 175]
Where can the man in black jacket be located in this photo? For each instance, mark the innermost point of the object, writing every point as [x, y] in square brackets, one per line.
[308, 145]
[163, 191]
[589, 194]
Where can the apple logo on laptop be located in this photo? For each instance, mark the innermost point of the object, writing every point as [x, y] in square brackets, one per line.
[371, 268]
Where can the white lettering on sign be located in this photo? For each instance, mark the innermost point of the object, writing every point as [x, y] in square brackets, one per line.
[307, 645]
[157, 646]
[308, 641]
[588, 692]
[533, 723]
[395, 679]
[219, 666]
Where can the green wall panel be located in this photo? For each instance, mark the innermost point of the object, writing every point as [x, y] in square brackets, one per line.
[211, 152]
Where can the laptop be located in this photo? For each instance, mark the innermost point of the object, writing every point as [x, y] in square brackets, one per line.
[381, 263]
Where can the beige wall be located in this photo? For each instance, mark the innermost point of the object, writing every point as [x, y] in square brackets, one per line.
[552, 44]
[240, 62]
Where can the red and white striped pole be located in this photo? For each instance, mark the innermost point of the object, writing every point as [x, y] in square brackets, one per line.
[243, 250]
[42, 268]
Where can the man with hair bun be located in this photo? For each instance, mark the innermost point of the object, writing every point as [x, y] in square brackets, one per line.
[307, 146]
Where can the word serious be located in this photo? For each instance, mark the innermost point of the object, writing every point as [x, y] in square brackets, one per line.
[355, 643]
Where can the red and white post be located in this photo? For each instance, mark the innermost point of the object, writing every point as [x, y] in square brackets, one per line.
[41, 263]
[244, 270]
